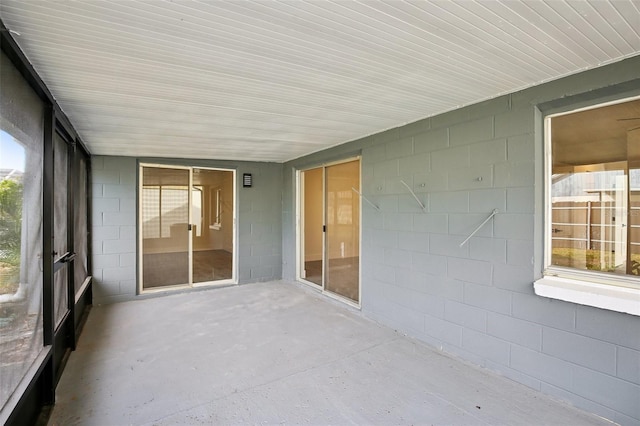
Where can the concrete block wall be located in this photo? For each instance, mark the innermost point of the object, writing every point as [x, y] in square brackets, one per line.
[477, 301]
[114, 215]
[260, 223]
[113, 230]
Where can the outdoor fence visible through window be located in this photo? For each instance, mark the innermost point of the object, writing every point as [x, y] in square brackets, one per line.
[595, 189]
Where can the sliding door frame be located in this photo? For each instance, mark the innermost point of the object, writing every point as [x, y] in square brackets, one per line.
[300, 230]
[234, 231]
[300, 234]
[190, 284]
[141, 289]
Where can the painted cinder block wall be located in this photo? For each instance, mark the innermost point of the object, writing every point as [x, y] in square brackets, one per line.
[114, 216]
[477, 301]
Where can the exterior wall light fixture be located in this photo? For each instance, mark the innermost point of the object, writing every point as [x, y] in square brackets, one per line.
[247, 180]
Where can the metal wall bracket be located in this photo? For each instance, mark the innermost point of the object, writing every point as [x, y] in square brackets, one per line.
[365, 198]
[422, 206]
[493, 213]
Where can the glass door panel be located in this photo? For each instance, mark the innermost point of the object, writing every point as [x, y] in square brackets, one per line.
[165, 227]
[212, 216]
[312, 223]
[342, 245]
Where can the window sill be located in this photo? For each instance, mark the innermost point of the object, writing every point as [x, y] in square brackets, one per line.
[613, 298]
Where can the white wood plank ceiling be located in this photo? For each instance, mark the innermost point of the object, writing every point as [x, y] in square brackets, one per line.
[274, 80]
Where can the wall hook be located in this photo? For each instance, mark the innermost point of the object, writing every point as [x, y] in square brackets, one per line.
[493, 213]
[365, 198]
[422, 206]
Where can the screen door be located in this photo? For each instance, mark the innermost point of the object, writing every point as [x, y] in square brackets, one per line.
[63, 259]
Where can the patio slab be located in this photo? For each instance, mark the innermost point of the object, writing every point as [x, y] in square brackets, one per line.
[277, 353]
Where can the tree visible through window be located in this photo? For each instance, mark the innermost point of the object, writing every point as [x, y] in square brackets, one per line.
[20, 259]
[10, 233]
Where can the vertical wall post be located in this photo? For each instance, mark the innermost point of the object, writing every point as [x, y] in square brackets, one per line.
[72, 187]
[48, 391]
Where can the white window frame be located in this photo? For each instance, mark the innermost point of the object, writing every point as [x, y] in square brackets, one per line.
[620, 293]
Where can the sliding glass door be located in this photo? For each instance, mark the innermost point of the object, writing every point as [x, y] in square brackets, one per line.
[342, 254]
[329, 231]
[212, 195]
[165, 226]
[186, 226]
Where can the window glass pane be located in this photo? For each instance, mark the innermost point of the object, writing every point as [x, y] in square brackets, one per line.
[595, 189]
[634, 223]
[634, 200]
[21, 161]
[589, 219]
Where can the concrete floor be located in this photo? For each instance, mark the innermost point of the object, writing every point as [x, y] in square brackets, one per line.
[276, 353]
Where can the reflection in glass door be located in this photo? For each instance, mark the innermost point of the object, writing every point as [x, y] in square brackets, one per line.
[187, 226]
[330, 228]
